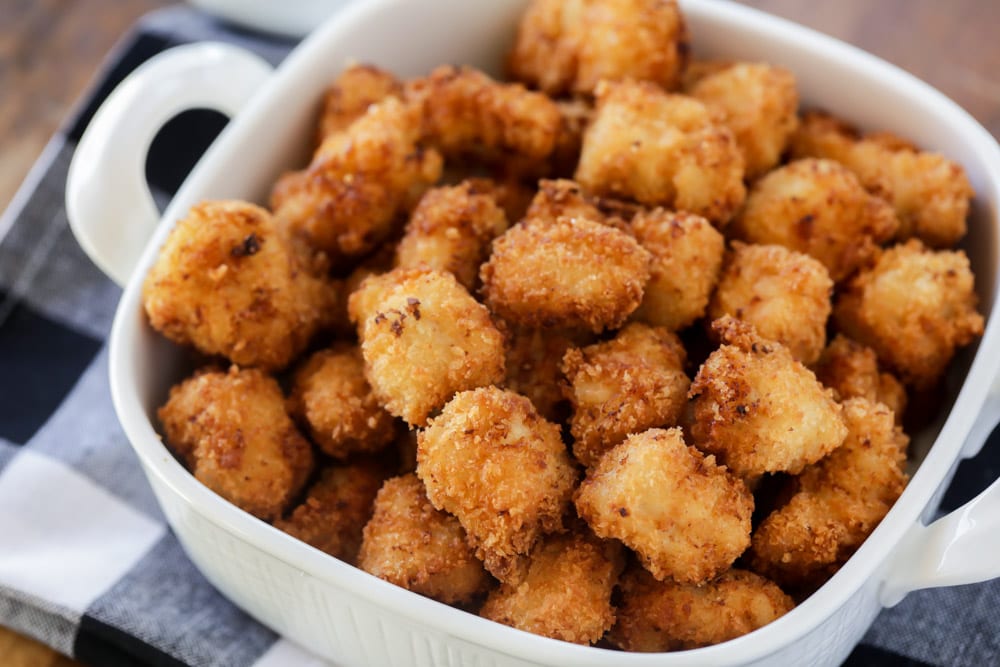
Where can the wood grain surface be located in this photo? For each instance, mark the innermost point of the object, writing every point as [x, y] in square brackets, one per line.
[51, 49]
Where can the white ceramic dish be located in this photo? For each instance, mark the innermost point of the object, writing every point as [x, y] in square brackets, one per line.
[353, 618]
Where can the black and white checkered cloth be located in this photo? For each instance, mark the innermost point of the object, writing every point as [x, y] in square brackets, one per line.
[87, 562]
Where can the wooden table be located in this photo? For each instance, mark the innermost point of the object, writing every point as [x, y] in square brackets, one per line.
[49, 50]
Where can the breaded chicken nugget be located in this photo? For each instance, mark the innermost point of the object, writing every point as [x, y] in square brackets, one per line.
[686, 517]
[359, 182]
[661, 150]
[817, 207]
[851, 370]
[513, 196]
[451, 230]
[566, 593]
[687, 257]
[493, 462]
[914, 307]
[232, 432]
[570, 272]
[628, 384]
[666, 616]
[569, 47]
[337, 508]
[349, 96]
[409, 543]
[839, 503]
[759, 103]
[331, 395]
[758, 409]
[227, 283]
[423, 339]
[534, 357]
[565, 198]
[784, 294]
[930, 193]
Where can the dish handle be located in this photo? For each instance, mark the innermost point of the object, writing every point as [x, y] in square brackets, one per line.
[108, 202]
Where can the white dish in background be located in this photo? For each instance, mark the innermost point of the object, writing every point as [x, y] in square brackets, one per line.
[353, 618]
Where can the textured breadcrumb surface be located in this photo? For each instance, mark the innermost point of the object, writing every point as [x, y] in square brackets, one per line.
[356, 88]
[852, 371]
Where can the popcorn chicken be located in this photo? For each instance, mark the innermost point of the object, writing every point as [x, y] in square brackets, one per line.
[852, 371]
[349, 96]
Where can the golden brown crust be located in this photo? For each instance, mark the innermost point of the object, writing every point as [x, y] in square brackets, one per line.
[534, 357]
[851, 370]
[349, 96]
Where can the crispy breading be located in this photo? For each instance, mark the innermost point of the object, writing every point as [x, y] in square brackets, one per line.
[851, 370]
[534, 357]
[354, 90]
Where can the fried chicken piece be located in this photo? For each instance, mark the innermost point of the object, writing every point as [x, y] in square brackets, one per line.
[360, 181]
[232, 432]
[661, 150]
[451, 230]
[533, 366]
[817, 207]
[915, 307]
[687, 518]
[501, 469]
[839, 501]
[759, 103]
[330, 395]
[851, 370]
[423, 338]
[570, 47]
[513, 196]
[568, 272]
[337, 508]
[659, 616]
[409, 543]
[687, 257]
[930, 193]
[758, 409]
[784, 294]
[227, 283]
[349, 96]
[628, 384]
[566, 592]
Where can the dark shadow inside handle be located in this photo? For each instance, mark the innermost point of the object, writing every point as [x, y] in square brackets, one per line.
[177, 148]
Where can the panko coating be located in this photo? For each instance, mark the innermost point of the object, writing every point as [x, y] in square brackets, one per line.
[784, 294]
[687, 518]
[568, 47]
[659, 616]
[513, 196]
[759, 103]
[687, 257]
[817, 207]
[568, 272]
[563, 197]
[566, 591]
[423, 338]
[349, 96]
[661, 150]
[758, 409]
[631, 383]
[336, 509]
[331, 395]
[534, 357]
[930, 193]
[851, 370]
[227, 283]
[409, 543]
[839, 501]
[492, 461]
[360, 181]
[232, 432]
[914, 307]
[451, 230]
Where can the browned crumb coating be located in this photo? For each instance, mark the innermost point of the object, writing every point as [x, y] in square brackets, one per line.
[534, 357]
[839, 502]
[513, 196]
[566, 591]
[423, 338]
[232, 432]
[628, 384]
[851, 370]
[568, 47]
[817, 207]
[501, 469]
[915, 307]
[349, 96]
[661, 150]
[409, 543]
[360, 181]
[758, 409]
[336, 509]
[331, 395]
[687, 518]
[567, 272]
[659, 616]
[784, 294]
[227, 283]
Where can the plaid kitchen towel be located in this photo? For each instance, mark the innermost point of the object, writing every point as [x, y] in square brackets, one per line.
[87, 563]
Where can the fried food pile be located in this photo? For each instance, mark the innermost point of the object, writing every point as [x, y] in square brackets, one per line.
[615, 351]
